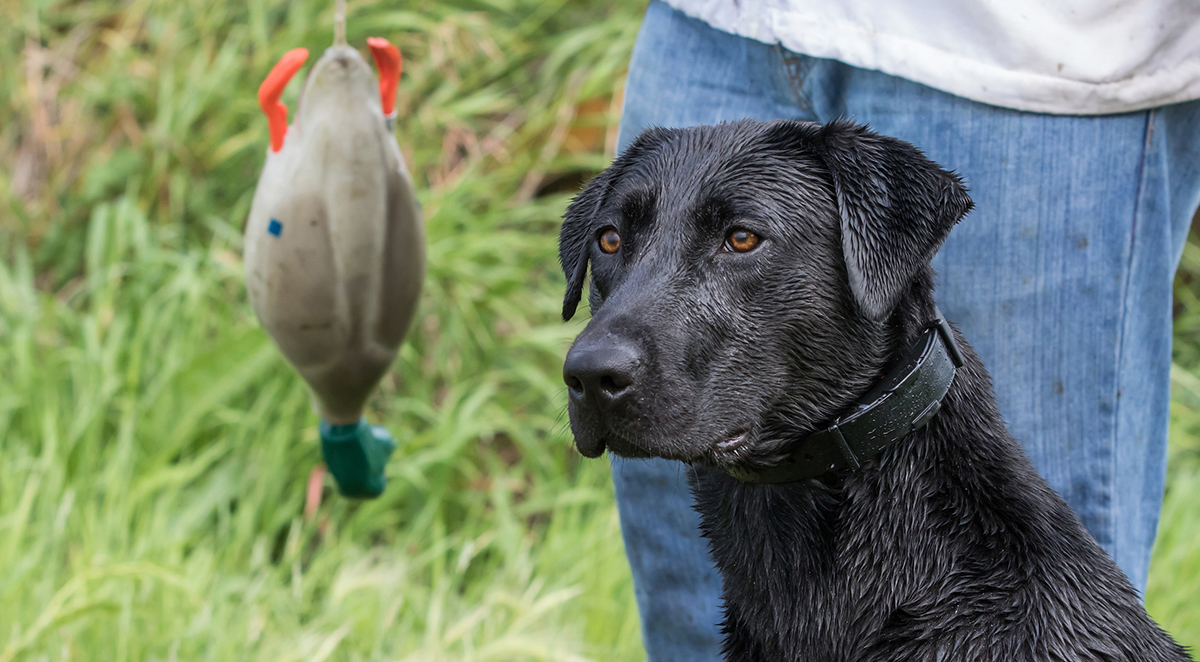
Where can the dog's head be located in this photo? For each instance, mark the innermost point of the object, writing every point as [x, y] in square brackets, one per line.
[744, 277]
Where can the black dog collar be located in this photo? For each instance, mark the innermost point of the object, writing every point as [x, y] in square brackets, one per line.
[909, 395]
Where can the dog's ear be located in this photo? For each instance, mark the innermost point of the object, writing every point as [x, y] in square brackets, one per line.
[896, 208]
[575, 238]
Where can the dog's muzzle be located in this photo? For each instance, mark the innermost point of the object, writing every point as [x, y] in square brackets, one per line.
[601, 374]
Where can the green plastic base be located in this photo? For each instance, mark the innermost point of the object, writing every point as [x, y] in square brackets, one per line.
[356, 455]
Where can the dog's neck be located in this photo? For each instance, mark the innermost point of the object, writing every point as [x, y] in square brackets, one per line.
[905, 398]
[784, 550]
[795, 558]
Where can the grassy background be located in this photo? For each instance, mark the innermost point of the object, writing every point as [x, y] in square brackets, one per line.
[153, 445]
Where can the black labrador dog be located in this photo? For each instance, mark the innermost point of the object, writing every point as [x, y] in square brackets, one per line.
[762, 308]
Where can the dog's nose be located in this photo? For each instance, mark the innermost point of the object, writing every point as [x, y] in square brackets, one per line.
[601, 372]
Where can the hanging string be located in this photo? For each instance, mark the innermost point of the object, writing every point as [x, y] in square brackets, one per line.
[339, 23]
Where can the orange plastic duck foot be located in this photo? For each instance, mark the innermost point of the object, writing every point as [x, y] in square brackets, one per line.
[387, 60]
[272, 88]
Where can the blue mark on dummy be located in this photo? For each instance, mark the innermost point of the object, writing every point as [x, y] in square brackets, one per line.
[275, 227]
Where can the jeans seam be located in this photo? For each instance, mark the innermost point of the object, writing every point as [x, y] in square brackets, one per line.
[1121, 321]
[798, 67]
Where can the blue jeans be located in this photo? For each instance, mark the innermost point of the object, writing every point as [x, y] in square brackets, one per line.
[1060, 278]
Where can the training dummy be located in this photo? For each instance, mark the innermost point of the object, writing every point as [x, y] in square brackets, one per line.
[335, 249]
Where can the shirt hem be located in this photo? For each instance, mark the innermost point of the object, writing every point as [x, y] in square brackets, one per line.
[961, 76]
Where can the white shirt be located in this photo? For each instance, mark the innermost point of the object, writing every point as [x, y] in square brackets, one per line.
[1053, 56]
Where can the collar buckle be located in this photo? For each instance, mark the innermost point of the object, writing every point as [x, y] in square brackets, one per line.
[944, 330]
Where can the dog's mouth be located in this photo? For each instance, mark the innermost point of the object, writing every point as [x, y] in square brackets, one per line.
[591, 447]
[730, 449]
[615, 440]
[734, 443]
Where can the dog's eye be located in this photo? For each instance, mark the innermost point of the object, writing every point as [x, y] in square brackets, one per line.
[609, 240]
[741, 240]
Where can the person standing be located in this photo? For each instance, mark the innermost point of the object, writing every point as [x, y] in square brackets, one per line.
[1076, 127]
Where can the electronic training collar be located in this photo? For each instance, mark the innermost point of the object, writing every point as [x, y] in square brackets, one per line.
[910, 394]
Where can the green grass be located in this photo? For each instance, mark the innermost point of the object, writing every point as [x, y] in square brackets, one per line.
[1173, 594]
[154, 446]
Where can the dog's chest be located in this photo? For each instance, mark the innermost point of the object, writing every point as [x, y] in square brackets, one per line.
[828, 573]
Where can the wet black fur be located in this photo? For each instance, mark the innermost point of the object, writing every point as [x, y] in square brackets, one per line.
[949, 546]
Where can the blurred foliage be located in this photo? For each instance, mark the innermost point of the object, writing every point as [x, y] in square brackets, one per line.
[1175, 571]
[154, 447]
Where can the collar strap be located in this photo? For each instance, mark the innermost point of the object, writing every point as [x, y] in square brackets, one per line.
[908, 396]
